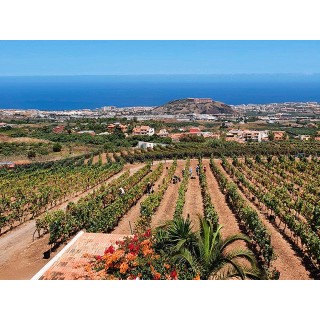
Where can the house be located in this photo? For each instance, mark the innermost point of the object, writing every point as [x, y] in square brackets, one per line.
[122, 127]
[246, 135]
[143, 131]
[279, 135]
[163, 133]
[196, 131]
[304, 137]
[176, 136]
[103, 134]
[8, 165]
[255, 136]
[146, 145]
[58, 129]
[210, 135]
[91, 132]
[111, 127]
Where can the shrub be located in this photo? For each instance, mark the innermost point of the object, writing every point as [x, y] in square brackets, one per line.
[57, 147]
[31, 154]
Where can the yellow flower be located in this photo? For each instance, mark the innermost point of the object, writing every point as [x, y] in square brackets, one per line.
[197, 277]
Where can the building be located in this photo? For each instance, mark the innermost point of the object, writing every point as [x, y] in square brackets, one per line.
[304, 137]
[247, 135]
[58, 129]
[176, 136]
[122, 127]
[254, 136]
[143, 131]
[210, 135]
[8, 165]
[163, 133]
[146, 145]
[91, 132]
[196, 131]
[111, 127]
[199, 100]
[279, 135]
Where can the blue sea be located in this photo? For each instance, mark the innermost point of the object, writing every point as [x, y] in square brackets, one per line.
[89, 92]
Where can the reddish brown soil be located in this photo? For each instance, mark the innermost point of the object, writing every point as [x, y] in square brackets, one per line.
[133, 214]
[226, 217]
[20, 256]
[193, 206]
[288, 262]
[166, 209]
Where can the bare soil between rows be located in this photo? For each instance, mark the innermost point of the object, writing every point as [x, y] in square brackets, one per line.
[288, 262]
[20, 256]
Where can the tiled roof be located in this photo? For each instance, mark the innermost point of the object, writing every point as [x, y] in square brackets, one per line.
[68, 264]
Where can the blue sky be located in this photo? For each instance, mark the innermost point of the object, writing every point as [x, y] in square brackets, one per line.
[28, 58]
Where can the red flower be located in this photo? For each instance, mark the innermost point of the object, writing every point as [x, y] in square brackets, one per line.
[174, 274]
[135, 238]
[98, 257]
[109, 250]
[147, 234]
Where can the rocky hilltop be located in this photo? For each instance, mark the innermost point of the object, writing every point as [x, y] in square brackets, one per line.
[193, 105]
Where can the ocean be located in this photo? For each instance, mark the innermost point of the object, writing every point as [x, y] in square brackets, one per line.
[89, 92]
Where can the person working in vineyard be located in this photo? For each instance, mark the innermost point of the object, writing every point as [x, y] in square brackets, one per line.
[122, 192]
[175, 179]
[204, 168]
[149, 187]
[197, 169]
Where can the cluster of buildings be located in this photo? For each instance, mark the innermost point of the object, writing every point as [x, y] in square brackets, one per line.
[283, 108]
[193, 131]
[242, 136]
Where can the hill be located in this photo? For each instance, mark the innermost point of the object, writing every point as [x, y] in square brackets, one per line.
[194, 105]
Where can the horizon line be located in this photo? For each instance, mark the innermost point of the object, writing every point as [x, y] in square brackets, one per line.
[166, 74]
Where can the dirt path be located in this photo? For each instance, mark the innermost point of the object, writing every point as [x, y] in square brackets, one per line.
[166, 209]
[133, 214]
[20, 256]
[226, 217]
[193, 204]
[288, 262]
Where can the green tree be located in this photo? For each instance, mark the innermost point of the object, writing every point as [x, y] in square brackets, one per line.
[271, 136]
[57, 147]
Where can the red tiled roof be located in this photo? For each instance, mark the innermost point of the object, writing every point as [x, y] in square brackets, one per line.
[69, 264]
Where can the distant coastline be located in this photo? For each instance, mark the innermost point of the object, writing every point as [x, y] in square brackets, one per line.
[89, 92]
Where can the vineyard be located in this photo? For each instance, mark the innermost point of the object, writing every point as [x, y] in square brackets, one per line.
[273, 200]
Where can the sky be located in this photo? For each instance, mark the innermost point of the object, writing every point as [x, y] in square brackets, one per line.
[106, 57]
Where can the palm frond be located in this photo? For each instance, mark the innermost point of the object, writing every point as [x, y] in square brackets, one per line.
[235, 237]
[241, 253]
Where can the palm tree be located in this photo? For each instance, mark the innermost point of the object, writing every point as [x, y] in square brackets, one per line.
[175, 235]
[206, 252]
